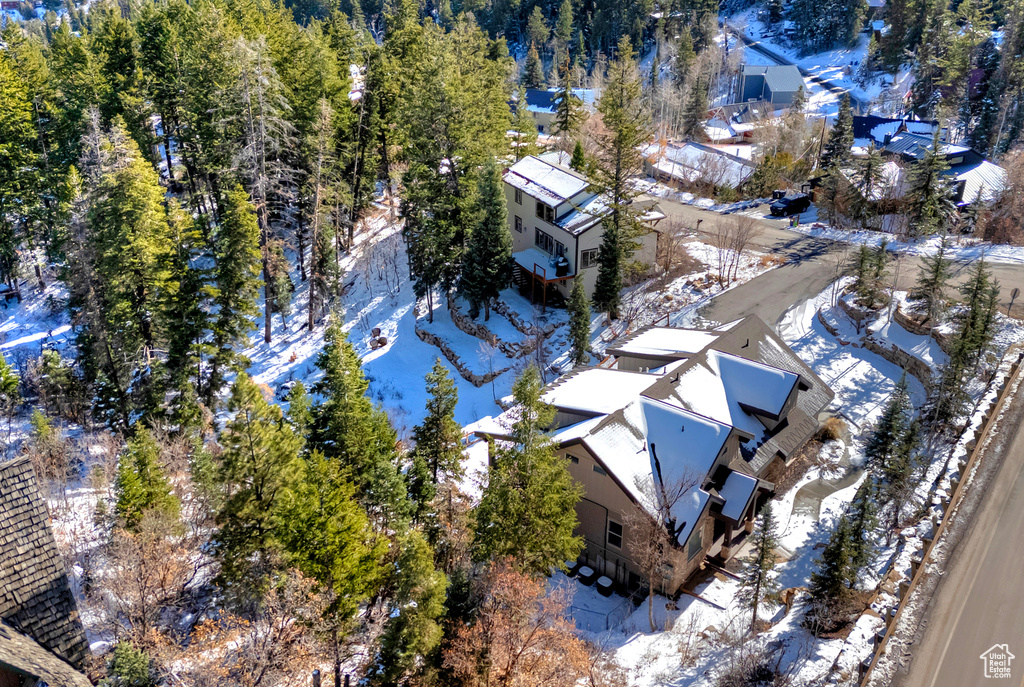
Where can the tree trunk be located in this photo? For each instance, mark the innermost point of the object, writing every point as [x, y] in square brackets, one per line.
[487, 309]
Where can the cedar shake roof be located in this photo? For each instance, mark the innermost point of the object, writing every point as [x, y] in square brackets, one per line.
[24, 656]
[35, 596]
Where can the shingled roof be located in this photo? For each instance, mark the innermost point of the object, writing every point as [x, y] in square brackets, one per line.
[35, 597]
[24, 656]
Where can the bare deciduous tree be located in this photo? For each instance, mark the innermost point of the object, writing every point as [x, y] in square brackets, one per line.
[522, 635]
[652, 530]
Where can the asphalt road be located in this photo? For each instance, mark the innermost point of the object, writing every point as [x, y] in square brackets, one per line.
[978, 602]
[810, 267]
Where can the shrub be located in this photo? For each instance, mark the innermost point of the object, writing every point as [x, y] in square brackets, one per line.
[831, 430]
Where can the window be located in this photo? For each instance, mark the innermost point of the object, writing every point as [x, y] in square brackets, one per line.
[588, 258]
[519, 224]
[615, 534]
[544, 241]
[574, 459]
[546, 213]
[519, 196]
[695, 544]
[559, 249]
[599, 470]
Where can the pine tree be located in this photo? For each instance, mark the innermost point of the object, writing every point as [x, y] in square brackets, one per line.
[758, 583]
[413, 629]
[237, 279]
[568, 111]
[19, 167]
[528, 509]
[260, 473]
[348, 428]
[932, 281]
[117, 273]
[928, 194]
[320, 182]
[140, 484]
[328, 537]
[840, 137]
[829, 583]
[579, 158]
[533, 74]
[696, 111]
[579, 324]
[256, 99]
[524, 127]
[898, 477]
[685, 57]
[185, 305]
[627, 125]
[862, 519]
[486, 271]
[536, 28]
[891, 426]
[438, 437]
[300, 410]
[980, 293]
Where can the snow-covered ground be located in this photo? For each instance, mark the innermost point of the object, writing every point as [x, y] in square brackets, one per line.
[839, 66]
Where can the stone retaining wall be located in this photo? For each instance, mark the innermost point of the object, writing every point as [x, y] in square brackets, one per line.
[467, 374]
[511, 349]
[897, 356]
[922, 329]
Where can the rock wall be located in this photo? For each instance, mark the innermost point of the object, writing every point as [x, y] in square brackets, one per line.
[922, 328]
[467, 374]
[519, 323]
[897, 356]
[511, 349]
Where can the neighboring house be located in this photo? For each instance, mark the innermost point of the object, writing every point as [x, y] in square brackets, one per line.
[723, 410]
[871, 130]
[971, 176]
[555, 218]
[41, 635]
[543, 104]
[696, 166]
[737, 122]
[776, 84]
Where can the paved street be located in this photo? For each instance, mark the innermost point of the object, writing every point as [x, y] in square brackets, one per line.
[978, 602]
[811, 266]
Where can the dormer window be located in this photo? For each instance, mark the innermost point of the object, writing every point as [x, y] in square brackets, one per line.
[546, 212]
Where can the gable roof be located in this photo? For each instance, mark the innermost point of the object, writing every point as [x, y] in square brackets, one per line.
[546, 100]
[35, 597]
[780, 78]
[24, 656]
[917, 145]
[874, 128]
[548, 182]
[693, 162]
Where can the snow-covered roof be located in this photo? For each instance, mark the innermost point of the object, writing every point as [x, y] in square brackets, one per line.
[677, 424]
[728, 389]
[546, 101]
[666, 341]
[545, 181]
[693, 162]
[736, 492]
[984, 178]
[597, 390]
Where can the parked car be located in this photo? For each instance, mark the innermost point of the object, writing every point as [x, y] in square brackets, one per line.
[790, 205]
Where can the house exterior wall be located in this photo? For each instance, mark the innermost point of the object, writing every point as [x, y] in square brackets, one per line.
[604, 501]
[574, 245]
[544, 121]
[778, 98]
[752, 88]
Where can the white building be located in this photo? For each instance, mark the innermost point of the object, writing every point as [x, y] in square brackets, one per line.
[556, 222]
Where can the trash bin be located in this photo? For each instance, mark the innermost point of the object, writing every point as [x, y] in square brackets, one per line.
[794, 221]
